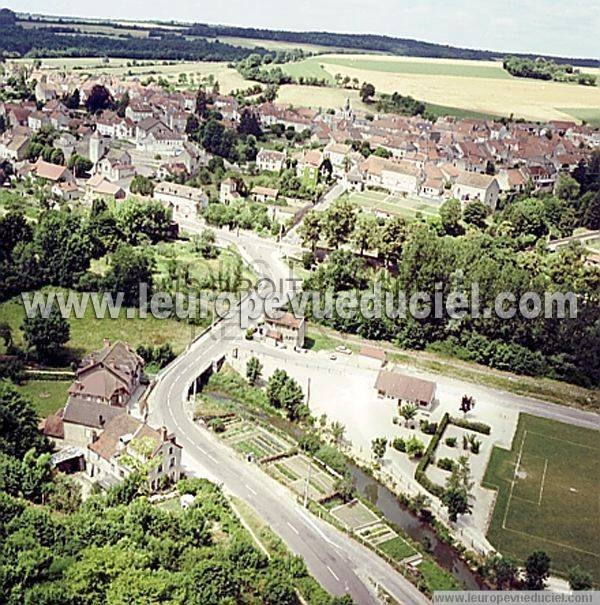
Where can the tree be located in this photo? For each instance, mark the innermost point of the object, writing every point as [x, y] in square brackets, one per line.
[63, 248]
[249, 124]
[284, 392]
[79, 165]
[591, 217]
[14, 229]
[279, 591]
[98, 99]
[537, 568]
[450, 215]
[201, 103]
[378, 447]
[467, 403]
[365, 235]
[19, 422]
[457, 493]
[566, 188]
[254, 369]
[393, 236]
[367, 92]
[142, 185]
[503, 570]
[310, 230]
[46, 335]
[73, 100]
[206, 244]
[408, 412]
[140, 221]
[337, 432]
[129, 269]
[338, 222]
[579, 579]
[475, 213]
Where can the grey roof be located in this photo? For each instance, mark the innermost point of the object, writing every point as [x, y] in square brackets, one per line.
[89, 413]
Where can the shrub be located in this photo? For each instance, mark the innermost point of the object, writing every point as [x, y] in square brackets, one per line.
[478, 427]
[429, 428]
[414, 447]
[446, 464]
[399, 444]
[217, 425]
[451, 441]
[430, 486]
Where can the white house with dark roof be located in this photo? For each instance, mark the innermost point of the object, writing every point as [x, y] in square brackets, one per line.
[185, 202]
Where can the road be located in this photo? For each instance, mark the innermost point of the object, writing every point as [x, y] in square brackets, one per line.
[339, 564]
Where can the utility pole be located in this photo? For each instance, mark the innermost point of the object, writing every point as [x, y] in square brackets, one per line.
[307, 484]
[308, 391]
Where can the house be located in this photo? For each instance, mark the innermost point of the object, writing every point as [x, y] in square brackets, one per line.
[109, 376]
[286, 329]
[115, 165]
[51, 172]
[185, 202]
[405, 389]
[13, 147]
[126, 444]
[98, 185]
[308, 166]
[161, 141]
[66, 191]
[264, 194]
[270, 160]
[401, 177]
[137, 111]
[228, 191]
[470, 186]
[337, 154]
[37, 120]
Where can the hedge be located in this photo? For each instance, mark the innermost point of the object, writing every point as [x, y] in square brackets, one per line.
[478, 427]
[430, 486]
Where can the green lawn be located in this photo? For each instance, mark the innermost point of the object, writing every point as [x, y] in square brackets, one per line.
[316, 340]
[47, 396]
[433, 68]
[397, 548]
[548, 485]
[393, 204]
[87, 333]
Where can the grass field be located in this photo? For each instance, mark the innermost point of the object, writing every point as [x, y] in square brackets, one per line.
[47, 396]
[475, 86]
[394, 205]
[87, 333]
[548, 486]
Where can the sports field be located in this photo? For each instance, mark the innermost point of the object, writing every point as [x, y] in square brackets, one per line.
[548, 486]
[394, 205]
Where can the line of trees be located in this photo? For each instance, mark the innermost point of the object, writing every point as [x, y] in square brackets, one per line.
[546, 69]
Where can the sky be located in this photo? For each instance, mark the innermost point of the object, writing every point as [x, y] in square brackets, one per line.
[554, 27]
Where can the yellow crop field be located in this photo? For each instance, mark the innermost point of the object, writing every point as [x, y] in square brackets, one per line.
[498, 94]
[319, 97]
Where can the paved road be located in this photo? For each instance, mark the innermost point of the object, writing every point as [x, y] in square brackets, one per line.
[339, 564]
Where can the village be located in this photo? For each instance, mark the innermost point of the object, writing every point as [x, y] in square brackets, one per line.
[149, 136]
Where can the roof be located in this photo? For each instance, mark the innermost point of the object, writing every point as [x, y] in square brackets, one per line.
[271, 155]
[177, 190]
[110, 443]
[52, 426]
[50, 172]
[266, 191]
[287, 320]
[406, 388]
[475, 180]
[89, 413]
[373, 352]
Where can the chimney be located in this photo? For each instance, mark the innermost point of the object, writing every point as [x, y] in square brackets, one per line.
[100, 420]
[164, 434]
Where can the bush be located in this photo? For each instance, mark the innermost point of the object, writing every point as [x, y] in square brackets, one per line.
[429, 428]
[217, 425]
[451, 441]
[399, 444]
[478, 427]
[430, 486]
[446, 464]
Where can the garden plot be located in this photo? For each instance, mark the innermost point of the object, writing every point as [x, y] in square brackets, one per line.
[355, 515]
[295, 471]
[377, 533]
[249, 439]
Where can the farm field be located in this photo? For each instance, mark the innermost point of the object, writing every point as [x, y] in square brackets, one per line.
[319, 97]
[197, 72]
[476, 86]
[547, 494]
[394, 205]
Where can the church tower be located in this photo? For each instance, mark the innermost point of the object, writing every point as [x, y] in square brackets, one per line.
[97, 147]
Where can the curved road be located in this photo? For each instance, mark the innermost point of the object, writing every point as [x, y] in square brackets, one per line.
[340, 564]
